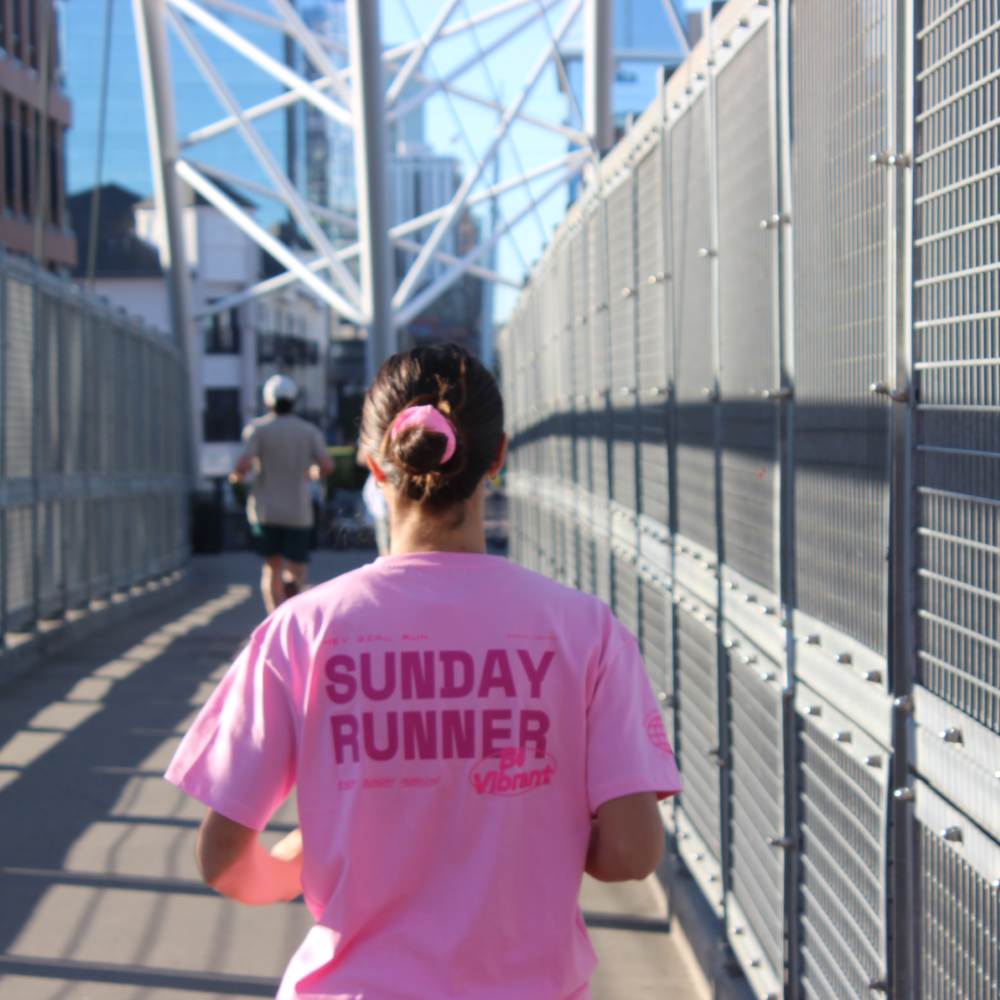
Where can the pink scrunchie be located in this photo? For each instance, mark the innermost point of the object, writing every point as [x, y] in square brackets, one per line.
[430, 417]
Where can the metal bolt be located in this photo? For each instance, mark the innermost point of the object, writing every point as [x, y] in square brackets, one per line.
[904, 702]
[767, 676]
[814, 710]
[845, 658]
[878, 986]
[952, 735]
[873, 761]
[874, 676]
[781, 392]
[812, 640]
[904, 794]
[749, 658]
[785, 843]
[626, 292]
[707, 252]
[653, 279]
[844, 737]
[754, 963]
[953, 833]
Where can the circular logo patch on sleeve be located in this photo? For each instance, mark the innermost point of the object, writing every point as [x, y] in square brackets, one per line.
[657, 733]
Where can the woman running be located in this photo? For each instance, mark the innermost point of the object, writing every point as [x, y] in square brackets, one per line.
[466, 737]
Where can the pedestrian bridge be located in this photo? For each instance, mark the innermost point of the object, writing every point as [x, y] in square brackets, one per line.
[101, 897]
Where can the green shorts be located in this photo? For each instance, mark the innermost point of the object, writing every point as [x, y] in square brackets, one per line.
[278, 540]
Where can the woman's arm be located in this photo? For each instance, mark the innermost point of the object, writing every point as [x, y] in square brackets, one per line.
[233, 863]
[627, 839]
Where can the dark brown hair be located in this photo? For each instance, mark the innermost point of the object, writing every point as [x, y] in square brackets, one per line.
[458, 384]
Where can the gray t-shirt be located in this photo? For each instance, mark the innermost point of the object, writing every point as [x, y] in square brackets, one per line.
[284, 446]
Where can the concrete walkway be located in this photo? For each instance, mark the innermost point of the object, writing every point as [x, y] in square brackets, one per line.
[100, 896]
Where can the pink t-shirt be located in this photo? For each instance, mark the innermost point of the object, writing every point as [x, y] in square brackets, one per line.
[452, 722]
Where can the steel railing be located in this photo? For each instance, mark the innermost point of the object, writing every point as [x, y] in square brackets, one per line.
[754, 404]
[94, 477]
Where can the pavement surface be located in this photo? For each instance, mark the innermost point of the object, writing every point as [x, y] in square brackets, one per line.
[99, 895]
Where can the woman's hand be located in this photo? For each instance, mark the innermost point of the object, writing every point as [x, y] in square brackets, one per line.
[232, 862]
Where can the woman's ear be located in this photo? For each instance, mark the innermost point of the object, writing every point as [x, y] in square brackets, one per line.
[500, 459]
[375, 469]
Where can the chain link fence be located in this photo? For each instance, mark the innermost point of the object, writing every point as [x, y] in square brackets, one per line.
[754, 404]
[94, 487]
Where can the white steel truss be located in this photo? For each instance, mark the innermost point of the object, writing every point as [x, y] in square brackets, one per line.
[364, 88]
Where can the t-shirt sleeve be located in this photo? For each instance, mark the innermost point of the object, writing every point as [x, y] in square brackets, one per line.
[319, 445]
[239, 756]
[627, 746]
[251, 440]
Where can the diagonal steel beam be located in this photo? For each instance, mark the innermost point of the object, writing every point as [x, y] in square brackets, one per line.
[316, 52]
[414, 307]
[416, 57]
[401, 51]
[229, 178]
[434, 86]
[287, 191]
[278, 70]
[215, 196]
[408, 285]
[577, 157]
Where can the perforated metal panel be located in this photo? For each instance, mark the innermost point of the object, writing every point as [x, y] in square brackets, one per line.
[626, 606]
[843, 854]
[957, 355]
[698, 736]
[747, 333]
[657, 646]
[757, 789]
[19, 379]
[651, 337]
[695, 363]
[839, 80]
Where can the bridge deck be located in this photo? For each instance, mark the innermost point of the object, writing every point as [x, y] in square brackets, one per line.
[101, 898]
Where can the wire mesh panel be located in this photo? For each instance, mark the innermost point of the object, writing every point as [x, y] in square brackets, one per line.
[651, 336]
[599, 371]
[747, 333]
[957, 355]
[839, 111]
[626, 606]
[581, 357]
[19, 548]
[959, 903]
[698, 698]
[757, 789]
[695, 363]
[843, 790]
[657, 646]
[620, 212]
[19, 380]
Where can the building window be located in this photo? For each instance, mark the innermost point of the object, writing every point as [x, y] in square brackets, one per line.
[286, 350]
[55, 174]
[222, 415]
[33, 33]
[9, 154]
[223, 333]
[17, 29]
[25, 162]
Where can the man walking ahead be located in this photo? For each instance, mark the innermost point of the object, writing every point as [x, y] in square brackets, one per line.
[284, 451]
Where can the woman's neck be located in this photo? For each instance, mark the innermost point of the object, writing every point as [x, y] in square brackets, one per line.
[457, 529]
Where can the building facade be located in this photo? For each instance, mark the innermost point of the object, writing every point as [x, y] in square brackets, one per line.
[237, 349]
[32, 143]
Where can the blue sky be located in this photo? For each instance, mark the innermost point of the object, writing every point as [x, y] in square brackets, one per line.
[453, 127]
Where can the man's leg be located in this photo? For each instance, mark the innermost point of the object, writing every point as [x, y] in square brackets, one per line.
[271, 584]
[299, 572]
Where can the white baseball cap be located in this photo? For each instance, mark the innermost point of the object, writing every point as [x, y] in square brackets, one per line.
[279, 387]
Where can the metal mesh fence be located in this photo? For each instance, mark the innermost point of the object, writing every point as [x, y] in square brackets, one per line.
[782, 324]
[93, 465]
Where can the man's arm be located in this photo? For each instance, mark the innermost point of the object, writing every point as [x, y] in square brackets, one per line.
[233, 863]
[627, 839]
[243, 466]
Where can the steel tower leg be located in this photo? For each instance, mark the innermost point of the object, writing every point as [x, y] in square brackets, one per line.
[161, 128]
[369, 165]
[598, 68]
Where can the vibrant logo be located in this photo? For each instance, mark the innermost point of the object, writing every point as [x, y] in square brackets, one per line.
[657, 733]
[513, 771]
